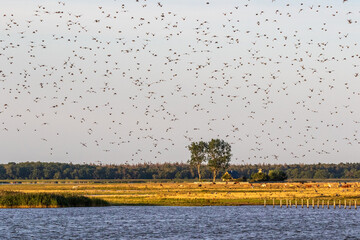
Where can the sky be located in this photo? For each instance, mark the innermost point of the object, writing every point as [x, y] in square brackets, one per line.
[138, 81]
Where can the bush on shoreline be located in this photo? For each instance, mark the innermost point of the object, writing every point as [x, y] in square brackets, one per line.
[273, 176]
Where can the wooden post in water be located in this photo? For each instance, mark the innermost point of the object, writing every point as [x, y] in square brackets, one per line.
[349, 204]
[295, 203]
[307, 203]
[287, 203]
[355, 204]
[302, 203]
[334, 204]
[322, 204]
[328, 204]
[280, 203]
[273, 202]
[317, 204]
[344, 203]
[313, 203]
[339, 203]
[264, 202]
[290, 203]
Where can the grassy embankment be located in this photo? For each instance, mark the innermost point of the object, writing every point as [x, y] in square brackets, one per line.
[192, 194]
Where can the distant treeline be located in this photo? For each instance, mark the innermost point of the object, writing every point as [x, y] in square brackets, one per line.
[41, 170]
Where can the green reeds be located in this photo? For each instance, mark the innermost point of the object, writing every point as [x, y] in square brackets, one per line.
[47, 200]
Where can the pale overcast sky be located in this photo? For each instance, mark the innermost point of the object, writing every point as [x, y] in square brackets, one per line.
[138, 81]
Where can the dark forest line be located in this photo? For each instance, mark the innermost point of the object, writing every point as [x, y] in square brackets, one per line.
[46, 170]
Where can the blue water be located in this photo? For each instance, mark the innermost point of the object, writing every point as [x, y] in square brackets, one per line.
[242, 222]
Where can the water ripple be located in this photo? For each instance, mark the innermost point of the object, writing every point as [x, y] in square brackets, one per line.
[245, 222]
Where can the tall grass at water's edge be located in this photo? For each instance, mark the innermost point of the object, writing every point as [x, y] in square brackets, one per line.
[47, 200]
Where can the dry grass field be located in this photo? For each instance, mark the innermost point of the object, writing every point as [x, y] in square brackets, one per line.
[195, 194]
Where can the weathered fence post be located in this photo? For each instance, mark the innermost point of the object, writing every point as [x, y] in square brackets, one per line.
[318, 203]
[290, 203]
[328, 203]
[273, 202]
[280, 203]
[313, 203]
[355, 204]
[287, 203]
[295, 203]
[264, 202]
[339, 203]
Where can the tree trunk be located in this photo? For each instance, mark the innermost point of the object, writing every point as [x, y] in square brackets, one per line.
[214, 177]
[198, 168]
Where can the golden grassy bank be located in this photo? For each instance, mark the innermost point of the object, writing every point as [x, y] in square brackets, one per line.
[194, 194]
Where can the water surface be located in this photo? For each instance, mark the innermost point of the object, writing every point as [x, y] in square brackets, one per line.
[243, 222]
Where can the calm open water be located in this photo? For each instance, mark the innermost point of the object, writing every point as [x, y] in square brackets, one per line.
[243, 222]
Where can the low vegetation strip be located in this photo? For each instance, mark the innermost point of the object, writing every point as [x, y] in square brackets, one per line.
[47, 200]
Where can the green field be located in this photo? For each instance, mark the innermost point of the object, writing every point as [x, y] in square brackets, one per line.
[189, 193]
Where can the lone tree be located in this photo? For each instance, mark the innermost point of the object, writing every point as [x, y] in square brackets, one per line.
[219, 155]
[198, 155]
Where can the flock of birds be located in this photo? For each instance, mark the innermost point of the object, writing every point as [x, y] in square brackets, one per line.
[131, 81]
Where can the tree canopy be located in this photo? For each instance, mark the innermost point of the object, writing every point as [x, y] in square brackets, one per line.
[219, 155]
[198, 152]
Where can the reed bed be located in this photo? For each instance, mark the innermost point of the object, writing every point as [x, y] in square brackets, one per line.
[47, 200]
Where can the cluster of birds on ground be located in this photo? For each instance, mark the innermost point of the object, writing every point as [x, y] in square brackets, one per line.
[137, 81]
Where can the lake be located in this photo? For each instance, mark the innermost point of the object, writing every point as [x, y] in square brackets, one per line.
[147, 222]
